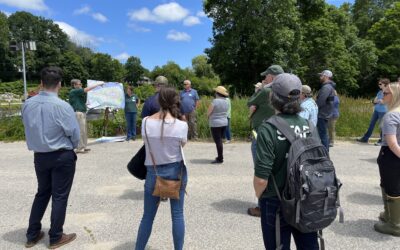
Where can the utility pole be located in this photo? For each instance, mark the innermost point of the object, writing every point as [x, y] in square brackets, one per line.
[24, 71]
[29, 45]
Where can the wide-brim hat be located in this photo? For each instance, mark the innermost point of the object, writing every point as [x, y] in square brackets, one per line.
[221, 90]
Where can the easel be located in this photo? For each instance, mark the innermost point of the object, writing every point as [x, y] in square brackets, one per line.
[107, 112]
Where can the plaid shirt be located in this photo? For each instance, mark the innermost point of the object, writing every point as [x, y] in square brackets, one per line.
[309, 110]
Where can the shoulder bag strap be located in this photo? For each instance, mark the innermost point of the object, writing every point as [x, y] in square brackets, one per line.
[148, 144]
[283, 127]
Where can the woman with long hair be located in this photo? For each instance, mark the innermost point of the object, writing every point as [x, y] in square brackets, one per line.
[217, 114]
[389, 163]
[164, 134]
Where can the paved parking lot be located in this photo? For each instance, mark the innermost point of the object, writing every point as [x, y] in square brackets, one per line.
[106, 203]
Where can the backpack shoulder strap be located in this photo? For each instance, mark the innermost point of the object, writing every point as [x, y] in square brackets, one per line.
[283, 127]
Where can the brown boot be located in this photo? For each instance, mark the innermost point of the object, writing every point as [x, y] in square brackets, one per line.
[31, 243]
[254, 211]
[65, 239]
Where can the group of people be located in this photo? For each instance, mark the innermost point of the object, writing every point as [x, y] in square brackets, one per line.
[52, 130]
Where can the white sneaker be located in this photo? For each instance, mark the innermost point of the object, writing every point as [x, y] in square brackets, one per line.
[227, 141]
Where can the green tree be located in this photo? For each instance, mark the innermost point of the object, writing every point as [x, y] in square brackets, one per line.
[248, 36]
[51, 41]
[134, 69]
[73, 67]
[201, 67]
[172, 71]
[386, 35]
[368, 12]
[101, 67]
[7, 70]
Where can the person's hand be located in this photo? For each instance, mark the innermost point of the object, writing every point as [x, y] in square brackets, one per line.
[253, 108]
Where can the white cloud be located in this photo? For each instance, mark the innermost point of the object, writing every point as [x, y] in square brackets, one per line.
[26, 4]
[6, 13]
[84, 10]
[201, 13]
[122, 57]
[178, 36]
[170, 12]
[191, 20]
[100, 17]
[138, 28]
[79, 37]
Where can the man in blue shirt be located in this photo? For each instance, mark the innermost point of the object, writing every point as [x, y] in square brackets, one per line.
[189, 103]
[52, 132]
[151, 105]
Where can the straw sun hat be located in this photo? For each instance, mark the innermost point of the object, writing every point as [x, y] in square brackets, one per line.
[221, 90]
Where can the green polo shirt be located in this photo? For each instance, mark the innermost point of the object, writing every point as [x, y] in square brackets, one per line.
[272, 149]
[264, 109]
[77, 99]
[130, 103]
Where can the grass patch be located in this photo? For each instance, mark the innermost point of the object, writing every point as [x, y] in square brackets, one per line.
[354, 120]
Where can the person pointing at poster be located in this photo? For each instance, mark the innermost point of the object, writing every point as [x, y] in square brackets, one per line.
[77, 99]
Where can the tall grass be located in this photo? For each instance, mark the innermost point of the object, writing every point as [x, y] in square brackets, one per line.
[354, 119]
[355, 115]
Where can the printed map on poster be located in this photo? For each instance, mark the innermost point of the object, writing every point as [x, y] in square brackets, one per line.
[111, 95]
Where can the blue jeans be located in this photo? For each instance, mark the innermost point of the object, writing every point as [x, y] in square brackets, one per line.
[228, 130]
[322, 126]
[304, 241]
[55, 173]
[130, 118]
[167, 171]
[376, 117]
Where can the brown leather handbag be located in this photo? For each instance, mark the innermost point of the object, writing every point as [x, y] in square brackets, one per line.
[164, 188]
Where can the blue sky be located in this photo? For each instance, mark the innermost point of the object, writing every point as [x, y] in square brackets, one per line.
[156, 31]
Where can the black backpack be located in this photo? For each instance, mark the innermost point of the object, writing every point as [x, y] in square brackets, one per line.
[310, 197]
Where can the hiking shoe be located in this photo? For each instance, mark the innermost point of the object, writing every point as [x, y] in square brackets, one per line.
[254, 211]
[227, 141]
[65, 239]
[362, 140]
[31, 243]
[378, 144]
[216, 161]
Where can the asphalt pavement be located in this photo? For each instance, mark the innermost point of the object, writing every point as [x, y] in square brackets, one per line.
[106, 202]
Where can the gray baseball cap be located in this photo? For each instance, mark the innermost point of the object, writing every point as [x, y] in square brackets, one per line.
[273, 70]
[161, 80]
[285, 84]
[327, 73]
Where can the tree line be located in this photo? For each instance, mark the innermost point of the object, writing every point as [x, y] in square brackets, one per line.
[54, 48]
[359, 43]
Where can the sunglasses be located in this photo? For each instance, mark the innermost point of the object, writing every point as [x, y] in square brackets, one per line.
[386, 93]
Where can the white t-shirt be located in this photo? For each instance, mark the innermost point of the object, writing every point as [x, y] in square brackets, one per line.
[168, 148]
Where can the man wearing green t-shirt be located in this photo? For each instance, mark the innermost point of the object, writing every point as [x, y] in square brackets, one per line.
[77, 99]
[261, 109]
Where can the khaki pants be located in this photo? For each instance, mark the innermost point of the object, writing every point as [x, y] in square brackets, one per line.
[192, 124]
[81, 117]
[332, 129]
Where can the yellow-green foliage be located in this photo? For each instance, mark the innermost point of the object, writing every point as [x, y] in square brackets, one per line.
[355, 115]
[354, 119]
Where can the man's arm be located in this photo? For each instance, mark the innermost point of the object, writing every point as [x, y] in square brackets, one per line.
[323, 95]
[70, 125]
[256, 98]
[259, 186]
[87, 89]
